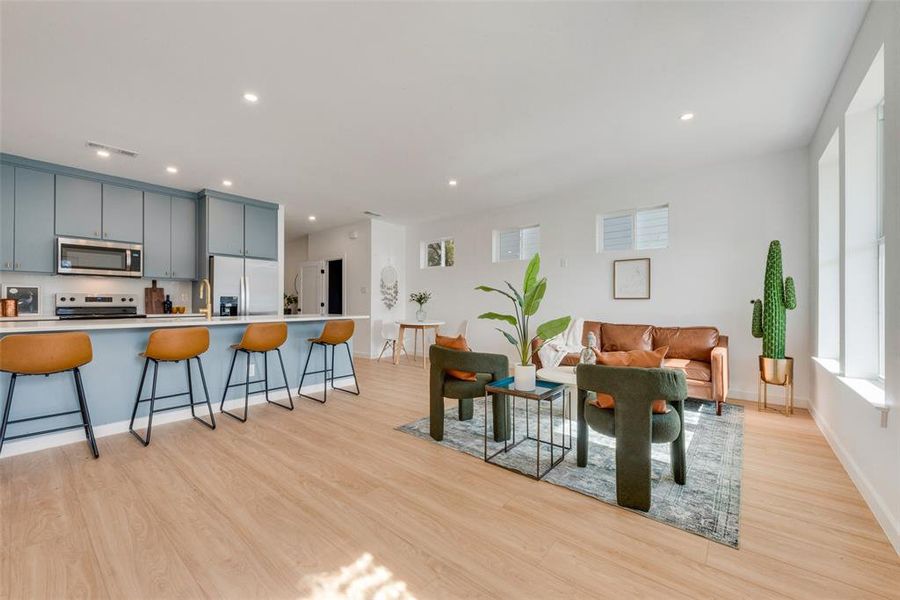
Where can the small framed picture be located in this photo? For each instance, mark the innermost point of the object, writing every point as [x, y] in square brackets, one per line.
[631, 279]
[27, 297]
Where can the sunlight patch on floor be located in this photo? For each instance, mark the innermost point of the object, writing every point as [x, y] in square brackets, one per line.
[362, 580]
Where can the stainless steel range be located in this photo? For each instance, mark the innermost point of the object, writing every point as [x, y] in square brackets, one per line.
[96, 306]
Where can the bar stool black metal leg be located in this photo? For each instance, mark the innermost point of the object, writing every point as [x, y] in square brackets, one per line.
[324, 374]
[246, 389]
[306, 366]
[265, 374]
[212, 419]
[146, 440]
[187, 364]
[287, 386]
[9, 397]
[352, 370]
[137, 399]
[85, 415]
[227, 382]
[212, 423]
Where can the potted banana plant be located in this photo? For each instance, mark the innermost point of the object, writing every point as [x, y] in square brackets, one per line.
[525, 304]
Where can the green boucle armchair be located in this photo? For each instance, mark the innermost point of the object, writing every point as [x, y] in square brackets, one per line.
[632, 423]
[487, 368]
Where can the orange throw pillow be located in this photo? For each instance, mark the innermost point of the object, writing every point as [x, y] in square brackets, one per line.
[646, 359]
[455, 343]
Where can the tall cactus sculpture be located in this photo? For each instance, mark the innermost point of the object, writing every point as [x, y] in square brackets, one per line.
[769, 313]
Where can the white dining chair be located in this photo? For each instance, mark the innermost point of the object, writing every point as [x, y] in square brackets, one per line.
[390, 331]
[464, 328]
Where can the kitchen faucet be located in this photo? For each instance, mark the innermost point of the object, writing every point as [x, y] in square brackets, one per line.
[204, 284]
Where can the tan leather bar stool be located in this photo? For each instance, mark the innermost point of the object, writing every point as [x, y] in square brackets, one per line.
[47, 354]
[173, 345]
[333, 334]
[259, 338]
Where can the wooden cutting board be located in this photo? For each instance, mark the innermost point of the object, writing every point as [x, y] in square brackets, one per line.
[153, 299]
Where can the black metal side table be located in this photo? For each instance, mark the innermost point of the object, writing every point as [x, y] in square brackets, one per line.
[545, 392]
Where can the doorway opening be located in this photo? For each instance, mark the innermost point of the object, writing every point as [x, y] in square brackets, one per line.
[335, 284]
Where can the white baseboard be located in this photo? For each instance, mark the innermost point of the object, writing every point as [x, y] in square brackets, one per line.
[52, 440]
[889, 522]
[775, 397]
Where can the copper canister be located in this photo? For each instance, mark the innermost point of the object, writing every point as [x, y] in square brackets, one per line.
[9, 307]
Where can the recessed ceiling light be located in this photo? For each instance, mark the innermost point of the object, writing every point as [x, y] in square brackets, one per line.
[226, 182]
[172, 169]
[103, 153]
[312, 217]
[251, 97]
[687, 116]
[452, 183]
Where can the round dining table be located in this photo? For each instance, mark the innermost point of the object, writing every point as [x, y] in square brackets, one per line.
[416, 326]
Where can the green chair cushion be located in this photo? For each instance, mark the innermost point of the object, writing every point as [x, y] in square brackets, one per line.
[457, 388]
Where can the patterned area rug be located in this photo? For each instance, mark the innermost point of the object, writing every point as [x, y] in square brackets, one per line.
[709, 504]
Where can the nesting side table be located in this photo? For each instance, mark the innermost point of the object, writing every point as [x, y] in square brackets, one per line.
[546, 392]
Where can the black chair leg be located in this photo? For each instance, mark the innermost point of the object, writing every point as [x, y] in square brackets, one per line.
[324, 375]
[137, 399]
[85, 415]
[287, 387]
[9, 397]
[146, 440]
[212, 423]
[352, 370]
[246, 389]
[212, 419]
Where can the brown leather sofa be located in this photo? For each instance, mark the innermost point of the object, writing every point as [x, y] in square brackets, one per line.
[700, 352]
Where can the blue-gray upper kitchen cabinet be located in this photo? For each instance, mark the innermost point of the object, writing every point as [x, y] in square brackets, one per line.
[7, 215]
[157, 235]
[260, 232]
[79, 205]
[123, 209]
[184, 238]
[34, 240]
[225, 227]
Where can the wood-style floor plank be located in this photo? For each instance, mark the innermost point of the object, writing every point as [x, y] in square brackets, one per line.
[330, 499]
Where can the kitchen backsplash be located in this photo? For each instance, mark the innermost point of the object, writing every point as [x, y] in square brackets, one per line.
[180, 291]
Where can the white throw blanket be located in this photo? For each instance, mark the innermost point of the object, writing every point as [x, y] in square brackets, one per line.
[556, 348]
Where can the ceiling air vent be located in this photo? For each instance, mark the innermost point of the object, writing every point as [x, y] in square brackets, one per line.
[112, 149]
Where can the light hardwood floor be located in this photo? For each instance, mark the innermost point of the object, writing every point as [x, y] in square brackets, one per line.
[313, 502]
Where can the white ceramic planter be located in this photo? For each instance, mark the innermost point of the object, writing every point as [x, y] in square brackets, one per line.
[525, 377]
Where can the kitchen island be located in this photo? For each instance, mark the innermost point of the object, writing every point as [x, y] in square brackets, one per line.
[111, 378]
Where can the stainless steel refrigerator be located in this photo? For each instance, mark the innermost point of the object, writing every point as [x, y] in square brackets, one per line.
[254, 283]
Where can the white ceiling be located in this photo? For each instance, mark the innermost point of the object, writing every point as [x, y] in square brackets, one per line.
[375, 106]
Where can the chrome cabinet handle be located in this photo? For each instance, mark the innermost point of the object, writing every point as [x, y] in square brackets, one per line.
[96, 234]
[18, 265]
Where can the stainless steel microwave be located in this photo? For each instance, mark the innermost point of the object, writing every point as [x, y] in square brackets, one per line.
[96, 257]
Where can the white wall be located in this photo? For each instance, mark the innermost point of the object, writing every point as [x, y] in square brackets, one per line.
[295, 252]
[388, 248]
[179, 291]
[722, 218]
[869, 452]
[357, 255]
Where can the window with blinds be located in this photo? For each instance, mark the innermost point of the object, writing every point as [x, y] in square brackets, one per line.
[520, 243]
[641, 229]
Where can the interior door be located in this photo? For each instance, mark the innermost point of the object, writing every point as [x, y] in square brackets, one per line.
[312, 288]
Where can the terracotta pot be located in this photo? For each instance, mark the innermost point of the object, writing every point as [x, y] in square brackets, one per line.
[9, 307]
[776, 371]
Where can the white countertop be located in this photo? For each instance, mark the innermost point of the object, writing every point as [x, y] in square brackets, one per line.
[158, 321]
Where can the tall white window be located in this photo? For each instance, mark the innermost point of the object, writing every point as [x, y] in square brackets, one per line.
[520, 243]
[829, 292]
[639, 229]
[879, 232]
[437, 253]
[863, 234]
